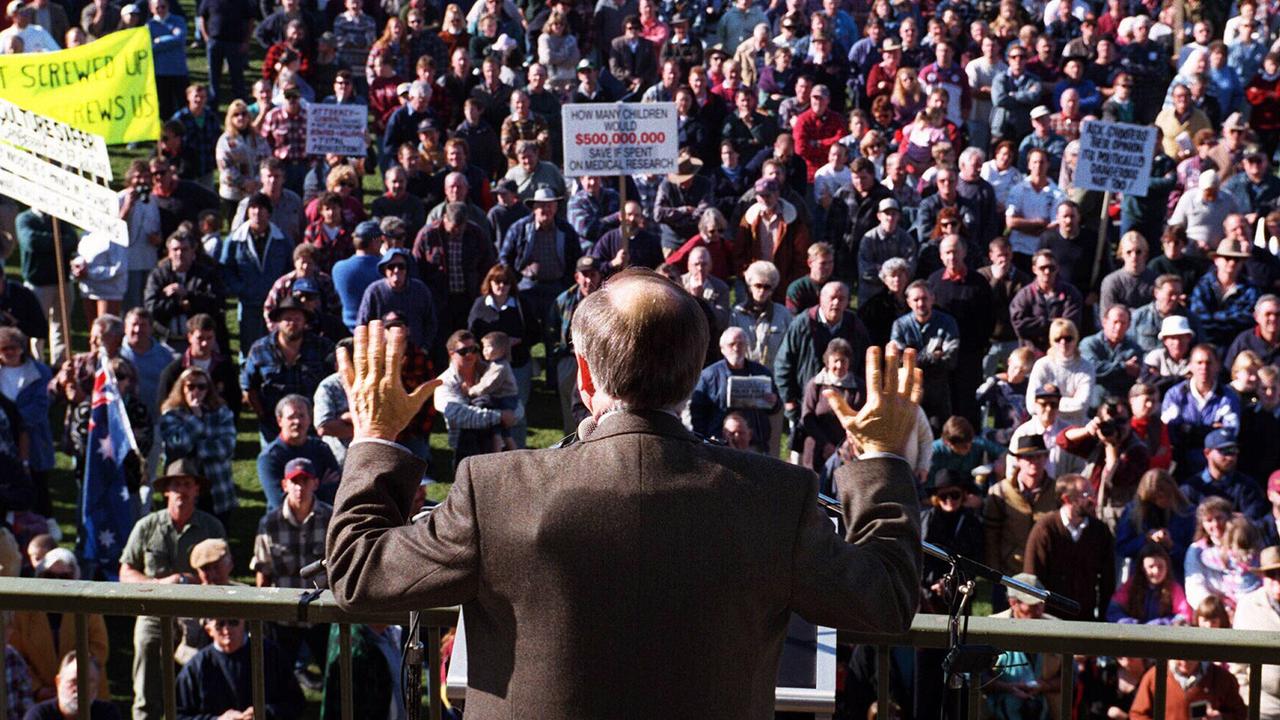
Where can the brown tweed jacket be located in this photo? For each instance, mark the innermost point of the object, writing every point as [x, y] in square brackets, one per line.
[638, 573]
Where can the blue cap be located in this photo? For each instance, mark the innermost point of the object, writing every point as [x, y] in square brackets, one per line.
[1220, 439]
[392, 254]
[369, 229]
[306, 286]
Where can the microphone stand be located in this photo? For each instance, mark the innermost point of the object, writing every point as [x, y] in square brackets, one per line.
[965, 663]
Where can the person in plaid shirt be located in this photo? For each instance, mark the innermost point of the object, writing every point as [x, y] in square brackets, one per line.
[289, 539]
[196, 423]
[305, 265]
[289, 360]
[285, 129]
[201, 130]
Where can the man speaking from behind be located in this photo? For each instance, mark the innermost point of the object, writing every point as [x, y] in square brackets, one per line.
[638, 572]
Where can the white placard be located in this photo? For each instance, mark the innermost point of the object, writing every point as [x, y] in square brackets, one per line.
[339, 129]
[1115, 157]
[619, 138]
[749, 392]
[73, 148]
[96, 198]
[67, 208]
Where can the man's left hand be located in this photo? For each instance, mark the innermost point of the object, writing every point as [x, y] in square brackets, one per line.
[380, 406]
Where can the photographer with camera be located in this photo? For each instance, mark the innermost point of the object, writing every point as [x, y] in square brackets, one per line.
[142, 215]
[1115, 457]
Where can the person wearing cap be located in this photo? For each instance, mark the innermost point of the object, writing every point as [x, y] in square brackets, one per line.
[589, 89]
[401, 292]
[291, 359]
[453, 255]
[1222, 299]
[1013, 507]
[352, 276]
[772, 229]
[541, 247]
[682, 198]
[428, 145]
[1014, 93]
[402, 124]
[817, 129]
[306, 264]
[1257, 189]
[324, 322]
[287, 540]
[158, 550]
[1228, 154]
[1027, 684]
[1170, 363]
[885, 241]
[252, 258]
[1088, 99]
[949, 522]
[1221, 477]
[507, 208]
[559, 339]
[682, 47]
[1257, 611]
[1042, 137]
[1046, 421]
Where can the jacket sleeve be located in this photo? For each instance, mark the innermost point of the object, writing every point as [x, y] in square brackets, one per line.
[368, 541]
[870, 579]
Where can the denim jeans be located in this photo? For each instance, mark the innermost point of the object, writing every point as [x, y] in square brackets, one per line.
[233, 53]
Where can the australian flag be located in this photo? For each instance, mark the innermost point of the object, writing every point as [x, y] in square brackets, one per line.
[107, 508]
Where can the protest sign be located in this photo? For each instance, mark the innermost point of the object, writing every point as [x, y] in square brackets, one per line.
[336, 129]
[106, 87]
[619, 139]
[1115, 157]
[73, 148]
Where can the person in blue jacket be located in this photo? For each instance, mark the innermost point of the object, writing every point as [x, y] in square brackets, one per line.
[1221, 478]
[1195, 407]
[254, 256]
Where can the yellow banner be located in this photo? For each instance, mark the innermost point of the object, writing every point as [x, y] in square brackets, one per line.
[107, 87]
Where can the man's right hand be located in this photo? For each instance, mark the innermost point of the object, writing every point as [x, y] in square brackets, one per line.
[887, 421]
[370, 373]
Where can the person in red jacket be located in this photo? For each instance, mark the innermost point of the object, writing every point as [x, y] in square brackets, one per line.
[1263, 93]
[817, 129]
[1195, 689]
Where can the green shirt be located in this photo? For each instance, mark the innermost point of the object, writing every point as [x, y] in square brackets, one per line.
[159, 549]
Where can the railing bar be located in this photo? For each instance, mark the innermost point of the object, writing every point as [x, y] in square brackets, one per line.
[1255, 691]
[82, 666]
[167, 682]
[974, 693]
[435, 688]
[344, 671]
[1162, 682]
[882, 682]
[1067, 689]
[258, 668]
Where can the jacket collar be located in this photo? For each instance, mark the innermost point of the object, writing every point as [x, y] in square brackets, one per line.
[629, 422]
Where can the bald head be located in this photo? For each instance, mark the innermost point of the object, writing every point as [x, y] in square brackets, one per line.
[640, 340]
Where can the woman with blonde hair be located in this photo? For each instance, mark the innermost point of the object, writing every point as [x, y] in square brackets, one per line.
[453, 30]
[558, 51]
[391, 46]
[238, 152]
[1064, 367]
[1244, 376]
[195, 423]
[907, 96]
[345, 182]
[1132, 283]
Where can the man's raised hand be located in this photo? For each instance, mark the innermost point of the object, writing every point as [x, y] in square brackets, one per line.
[887, 421]
[380, 407]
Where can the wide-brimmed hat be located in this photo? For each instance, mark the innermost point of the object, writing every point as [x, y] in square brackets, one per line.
[1028, 446]
[544, 193]
[1231, 249]
[285, 305]
[946, 479]
[686, 167]
[1269, 560]
[183, 467]
[1025, 598]
[1173, 326]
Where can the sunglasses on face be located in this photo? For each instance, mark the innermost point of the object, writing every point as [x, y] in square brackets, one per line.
[1046, 268]
[1065, 339]
[465, 351]
[947, 495]
[197, 386]
[225, 624]
[761, 286]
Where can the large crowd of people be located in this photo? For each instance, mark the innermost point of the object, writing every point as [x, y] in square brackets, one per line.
[1101, 373]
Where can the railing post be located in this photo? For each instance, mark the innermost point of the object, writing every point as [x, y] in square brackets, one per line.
[167, 682]
[1255, 691]
[258, 667]
[83, 661]
[1067, 673]
[4, 665]
[435, 688]
[1162, 683]
[344, 671]
[973, 692]
[883, 707]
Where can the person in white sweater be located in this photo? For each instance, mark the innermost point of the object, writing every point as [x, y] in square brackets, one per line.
[1063, 367]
